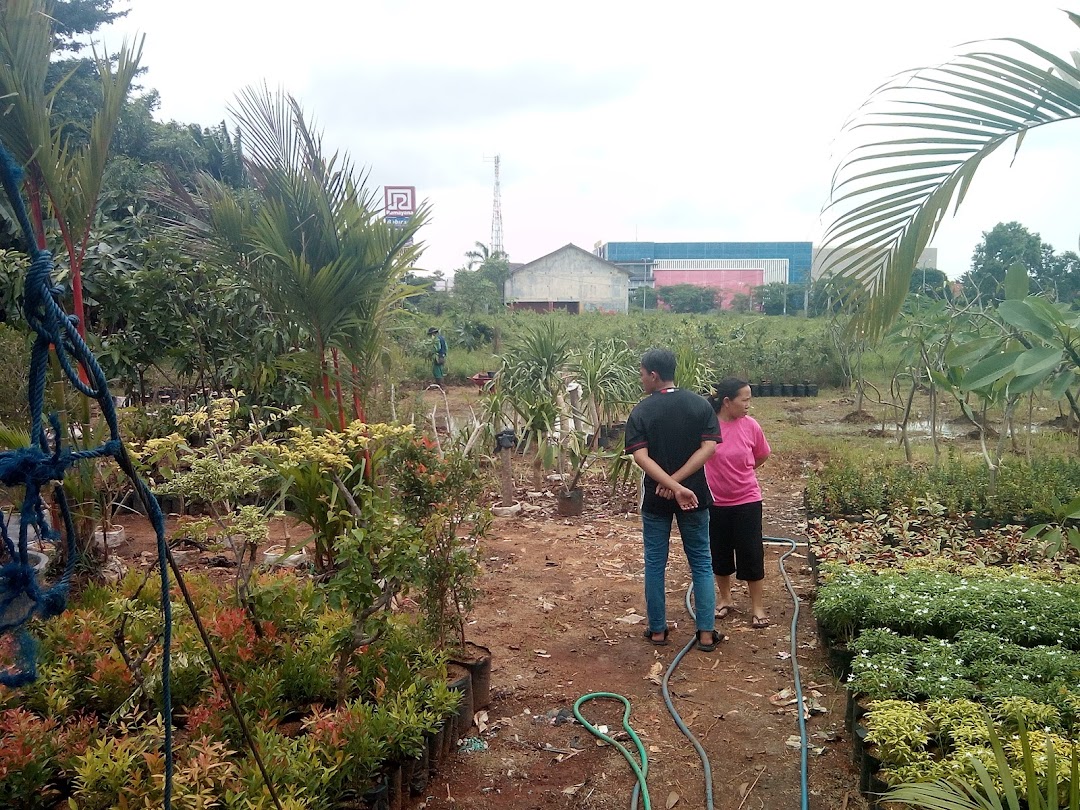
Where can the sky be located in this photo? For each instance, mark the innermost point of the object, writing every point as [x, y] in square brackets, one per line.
[614, 121]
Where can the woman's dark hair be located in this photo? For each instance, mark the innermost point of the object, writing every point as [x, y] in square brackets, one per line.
[727, 388]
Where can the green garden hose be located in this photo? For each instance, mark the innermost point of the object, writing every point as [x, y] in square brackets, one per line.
[640, 771]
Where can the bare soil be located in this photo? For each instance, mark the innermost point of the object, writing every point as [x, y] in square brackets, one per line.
[560, 612]
[561, 609]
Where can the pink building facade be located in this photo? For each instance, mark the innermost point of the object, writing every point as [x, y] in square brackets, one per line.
[729, 277]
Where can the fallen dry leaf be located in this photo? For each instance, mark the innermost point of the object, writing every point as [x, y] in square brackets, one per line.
[655, 673]
[784, 697]
[570, 791]
[481, 721]
[672, 800]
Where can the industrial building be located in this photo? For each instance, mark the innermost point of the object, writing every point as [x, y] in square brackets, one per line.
[732, 268]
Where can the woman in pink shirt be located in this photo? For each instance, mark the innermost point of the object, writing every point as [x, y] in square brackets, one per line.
[735, 516]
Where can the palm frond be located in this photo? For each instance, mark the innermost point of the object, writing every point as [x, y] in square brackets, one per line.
[890, 194]
[25, 50]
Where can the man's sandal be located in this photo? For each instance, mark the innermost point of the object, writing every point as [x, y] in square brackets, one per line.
[649, 638]
[716, 639]
[760, 622]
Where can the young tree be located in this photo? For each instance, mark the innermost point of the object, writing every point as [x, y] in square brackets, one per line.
[490, 265]
[642, 298]
[1059, 276]
[475, 293]
[684, 298]
[320, 254]
[1001, 247]
[63, 177]
[929, 282]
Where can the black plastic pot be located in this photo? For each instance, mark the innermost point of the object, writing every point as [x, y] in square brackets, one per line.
[477, 660]
[869, 766]
[811, 389]
[610, 435]
[858, 748]
[766, 388]
[394, 797]
[377, 797]
[874, 790]
[460, 680]
[436, 743]
[815, 566]
[855, 710]
[450, 739]
[840, 658]
[421, 772]
[570, 504]
[787, 390]
[800, 390]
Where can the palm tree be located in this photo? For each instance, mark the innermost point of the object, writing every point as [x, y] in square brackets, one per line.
[63, 178]
[319, 252]
[927, 132]
[481, 255]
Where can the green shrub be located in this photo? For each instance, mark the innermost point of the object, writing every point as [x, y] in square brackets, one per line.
[949, 740]
[1023, 492]
[933, 603]
[977, 665]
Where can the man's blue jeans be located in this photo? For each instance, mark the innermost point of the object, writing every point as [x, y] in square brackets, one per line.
[694, 528]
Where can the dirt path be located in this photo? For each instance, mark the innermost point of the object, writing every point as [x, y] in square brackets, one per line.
[560, 597]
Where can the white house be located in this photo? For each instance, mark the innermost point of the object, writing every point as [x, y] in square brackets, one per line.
[570, 278]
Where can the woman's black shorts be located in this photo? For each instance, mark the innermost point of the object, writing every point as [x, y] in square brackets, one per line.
[735, 537]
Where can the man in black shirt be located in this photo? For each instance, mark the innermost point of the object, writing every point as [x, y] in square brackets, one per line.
[671, 434]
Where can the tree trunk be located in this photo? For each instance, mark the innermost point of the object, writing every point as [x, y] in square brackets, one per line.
[337, 390]
[506, 477]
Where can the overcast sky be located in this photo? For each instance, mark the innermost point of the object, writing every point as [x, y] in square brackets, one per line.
[615, 121]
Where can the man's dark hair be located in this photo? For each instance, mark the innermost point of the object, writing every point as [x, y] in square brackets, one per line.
[662, 361]
[433, 330]
[727, 388]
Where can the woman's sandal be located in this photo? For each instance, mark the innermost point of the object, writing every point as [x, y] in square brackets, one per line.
[716, 639]
[724, 611]
[760, 622]
[649, 638]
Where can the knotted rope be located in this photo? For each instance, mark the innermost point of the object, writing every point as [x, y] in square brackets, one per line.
[39, 466]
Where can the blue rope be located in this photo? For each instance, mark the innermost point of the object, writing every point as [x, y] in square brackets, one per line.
[39, 466]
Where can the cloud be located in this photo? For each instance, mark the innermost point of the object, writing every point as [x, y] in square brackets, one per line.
[421, 98]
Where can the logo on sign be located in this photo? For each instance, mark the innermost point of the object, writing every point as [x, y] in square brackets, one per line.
[399, 201]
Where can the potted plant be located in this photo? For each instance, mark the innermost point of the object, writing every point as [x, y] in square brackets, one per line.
[109, 486]
[579, 451]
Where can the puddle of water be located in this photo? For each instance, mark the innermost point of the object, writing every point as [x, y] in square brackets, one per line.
[918, 428]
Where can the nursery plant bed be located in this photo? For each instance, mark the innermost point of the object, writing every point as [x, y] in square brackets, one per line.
[553, 592]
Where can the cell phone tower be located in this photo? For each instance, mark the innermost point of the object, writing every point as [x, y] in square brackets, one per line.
[496, 217]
